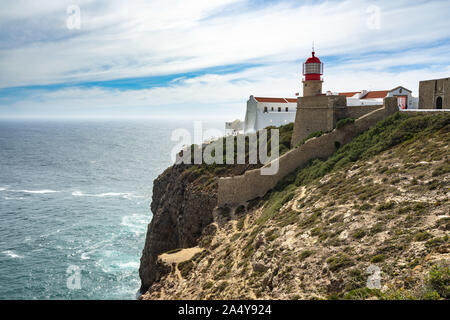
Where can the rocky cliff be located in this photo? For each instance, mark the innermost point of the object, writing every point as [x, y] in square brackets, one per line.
[181, 207]
[370, 222]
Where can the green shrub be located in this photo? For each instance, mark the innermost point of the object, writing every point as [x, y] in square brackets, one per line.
[365, 206]
[343, 122]
[439, 280]
[386, 206]
[305, 254]
[359, 234]
[422, 236]
[208, 285]
[377, 258]
[339, 261]
[240, 223]
[377, 228]
[361, 294]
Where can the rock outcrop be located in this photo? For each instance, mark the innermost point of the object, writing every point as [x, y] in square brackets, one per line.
[182, 208]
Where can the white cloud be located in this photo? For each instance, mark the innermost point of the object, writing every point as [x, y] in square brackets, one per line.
[139, 38]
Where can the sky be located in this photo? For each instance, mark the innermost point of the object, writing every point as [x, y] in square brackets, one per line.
[204, 58]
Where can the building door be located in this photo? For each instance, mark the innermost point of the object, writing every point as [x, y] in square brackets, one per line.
[402, 102]
[439, 103]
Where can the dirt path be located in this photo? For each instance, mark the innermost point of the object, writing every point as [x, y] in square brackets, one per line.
[180, 256]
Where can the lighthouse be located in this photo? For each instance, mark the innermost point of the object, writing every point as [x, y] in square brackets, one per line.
[312, 73]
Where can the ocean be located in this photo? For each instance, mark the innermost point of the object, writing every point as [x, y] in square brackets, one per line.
[74, 204]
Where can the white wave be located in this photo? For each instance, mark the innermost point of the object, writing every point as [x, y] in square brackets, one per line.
[84, 256]
[3, 188]
[10, 198]
[36, 191]
[126, 195]
[12, 254]
[129, 265]
[132, 196]
[136, 223]
[110, 194]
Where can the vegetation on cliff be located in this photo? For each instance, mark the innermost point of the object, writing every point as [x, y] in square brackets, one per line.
[207, 174]
[378, 207]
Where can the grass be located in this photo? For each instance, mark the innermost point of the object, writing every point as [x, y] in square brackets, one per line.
[339, 261]
[305, 254]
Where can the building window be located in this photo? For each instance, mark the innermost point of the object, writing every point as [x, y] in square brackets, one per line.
[265, 110]
[272, 108]
[279, 109]
[287, 109]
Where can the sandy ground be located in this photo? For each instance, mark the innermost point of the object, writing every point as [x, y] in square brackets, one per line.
[180, 256]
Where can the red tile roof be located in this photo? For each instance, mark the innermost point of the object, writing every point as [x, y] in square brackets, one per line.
[369, 95]
[376, 94]
[275, 100]
[348, 94]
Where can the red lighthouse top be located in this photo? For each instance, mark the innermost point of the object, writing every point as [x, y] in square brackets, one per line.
[313, 68]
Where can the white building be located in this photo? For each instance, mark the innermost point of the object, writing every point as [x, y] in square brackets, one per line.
[264, 112]
[361, 98]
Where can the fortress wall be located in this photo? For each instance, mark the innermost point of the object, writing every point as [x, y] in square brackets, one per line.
[240, 189]
[355, 112]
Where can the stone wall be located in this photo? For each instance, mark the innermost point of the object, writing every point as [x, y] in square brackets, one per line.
[430, 90]
[240, 189]
[355, 112]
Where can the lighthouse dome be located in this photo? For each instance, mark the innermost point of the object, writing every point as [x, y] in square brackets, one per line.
[313, 59]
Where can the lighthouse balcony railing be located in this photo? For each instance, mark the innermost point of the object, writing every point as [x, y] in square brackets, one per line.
[321, 78]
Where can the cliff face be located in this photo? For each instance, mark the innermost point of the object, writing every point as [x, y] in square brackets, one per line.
[377, 211]
[181, 207]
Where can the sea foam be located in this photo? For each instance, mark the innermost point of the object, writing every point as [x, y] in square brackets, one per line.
[12, 254]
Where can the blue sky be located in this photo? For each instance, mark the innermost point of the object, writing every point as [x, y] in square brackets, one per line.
[203, 58]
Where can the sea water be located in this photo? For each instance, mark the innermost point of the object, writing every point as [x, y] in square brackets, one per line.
[74, 204]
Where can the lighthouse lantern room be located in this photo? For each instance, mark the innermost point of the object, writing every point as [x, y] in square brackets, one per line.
[312, 72]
